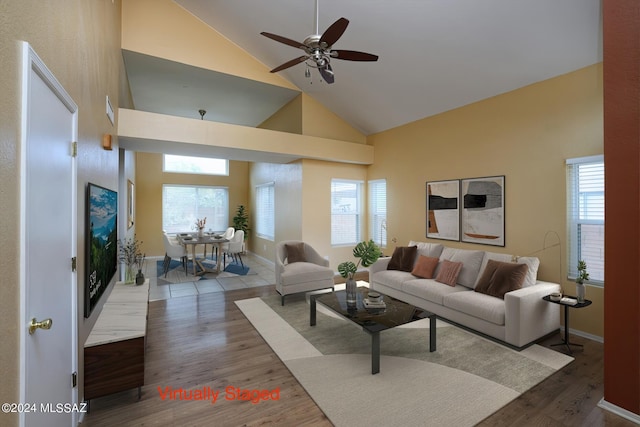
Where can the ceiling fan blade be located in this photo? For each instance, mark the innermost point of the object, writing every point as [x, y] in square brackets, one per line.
[290, 63]
[327, 74]
[334, 32]
[284, 40]
[353, 55]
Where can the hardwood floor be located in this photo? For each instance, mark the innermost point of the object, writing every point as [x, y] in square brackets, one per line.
[201, 341]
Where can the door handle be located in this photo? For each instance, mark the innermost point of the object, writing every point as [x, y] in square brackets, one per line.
[45, 324]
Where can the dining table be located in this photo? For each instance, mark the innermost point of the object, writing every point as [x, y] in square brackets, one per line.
[195, 239]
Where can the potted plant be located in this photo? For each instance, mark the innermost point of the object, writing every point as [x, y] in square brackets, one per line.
[582, 276]
[241, 221]
[131, 256]
[367, 253]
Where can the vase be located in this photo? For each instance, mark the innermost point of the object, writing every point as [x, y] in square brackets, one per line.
[352, 291]
[139, 277]
[200, 232]
[580, 291]
[129, 274]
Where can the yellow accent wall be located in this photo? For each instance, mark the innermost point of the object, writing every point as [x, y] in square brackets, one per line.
[79, 41]
[317, 120]
[286, 119]
[525, 135]
[149, 181]
[164, 29]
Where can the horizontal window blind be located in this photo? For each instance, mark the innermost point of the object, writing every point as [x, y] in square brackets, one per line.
[195, 165]
[378, 211]
[585, 216]
[183, 204]
[265, 211]
[345, 212]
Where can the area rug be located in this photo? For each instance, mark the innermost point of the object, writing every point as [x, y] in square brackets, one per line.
[176, 273]
[467, 379]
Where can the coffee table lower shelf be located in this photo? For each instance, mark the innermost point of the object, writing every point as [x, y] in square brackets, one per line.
[372, 327]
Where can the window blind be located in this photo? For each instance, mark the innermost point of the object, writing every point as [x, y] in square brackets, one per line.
[345, 212]
[585, 216]
[265, 211]
[378, 211]
[183, 204]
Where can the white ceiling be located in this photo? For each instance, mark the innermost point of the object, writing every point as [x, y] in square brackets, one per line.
[435, 55]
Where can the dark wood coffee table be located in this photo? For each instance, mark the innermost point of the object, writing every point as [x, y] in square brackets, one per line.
[373, 321]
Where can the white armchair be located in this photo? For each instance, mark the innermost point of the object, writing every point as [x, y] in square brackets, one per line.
[300, 268]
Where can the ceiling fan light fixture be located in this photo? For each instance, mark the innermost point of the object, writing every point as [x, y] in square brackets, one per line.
[307, 72]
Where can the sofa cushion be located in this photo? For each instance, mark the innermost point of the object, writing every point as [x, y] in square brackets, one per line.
[391, 278]
[532, 262]
[448, 272]
[499, 278]
[428, 249]
[478, 305]
[295, 252]
[471, 261]
[302, 272]
[430, 290]
[403, 258]
[425, 267]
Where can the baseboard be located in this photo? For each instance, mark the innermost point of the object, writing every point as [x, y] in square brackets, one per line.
[619, 411]
[582, 334]
[263, 259]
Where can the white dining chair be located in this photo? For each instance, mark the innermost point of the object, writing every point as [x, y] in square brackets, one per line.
[173, 249]
[234, 248]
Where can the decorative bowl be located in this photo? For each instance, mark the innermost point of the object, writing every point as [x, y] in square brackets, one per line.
[555, 296]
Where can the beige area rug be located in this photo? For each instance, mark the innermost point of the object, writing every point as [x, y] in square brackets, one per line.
[467, 379]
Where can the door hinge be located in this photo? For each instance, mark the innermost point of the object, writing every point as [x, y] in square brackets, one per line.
[74, 149]
[74, 264]
[74, 380]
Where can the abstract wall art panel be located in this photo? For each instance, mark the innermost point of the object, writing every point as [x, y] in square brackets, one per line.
[482, 219]
[443, 212]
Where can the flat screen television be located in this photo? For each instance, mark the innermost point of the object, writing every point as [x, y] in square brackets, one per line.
[102, 243]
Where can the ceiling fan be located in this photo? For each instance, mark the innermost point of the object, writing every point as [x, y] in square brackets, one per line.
[318, 49]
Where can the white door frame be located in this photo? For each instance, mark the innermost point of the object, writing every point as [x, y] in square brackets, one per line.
[31, 61]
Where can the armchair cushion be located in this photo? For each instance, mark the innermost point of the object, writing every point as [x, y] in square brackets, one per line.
[295, 252]
[301, 272]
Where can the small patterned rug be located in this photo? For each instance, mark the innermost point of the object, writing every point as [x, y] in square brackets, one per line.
[176, 273]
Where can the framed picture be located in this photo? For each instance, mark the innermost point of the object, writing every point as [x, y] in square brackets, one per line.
[130, 204]
[443, 212]
[482, 219]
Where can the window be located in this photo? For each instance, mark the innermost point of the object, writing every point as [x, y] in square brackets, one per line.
[378, 211]
[585, 216]
[183, 204]
[345, 212]
[195, 165]
[265, 211]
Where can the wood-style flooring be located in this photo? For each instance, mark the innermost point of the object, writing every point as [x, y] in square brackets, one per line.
[201, 341]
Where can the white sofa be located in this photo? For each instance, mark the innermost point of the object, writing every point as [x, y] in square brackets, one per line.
[518, 320]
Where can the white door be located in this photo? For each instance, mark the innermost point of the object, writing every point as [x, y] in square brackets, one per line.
[48, 243]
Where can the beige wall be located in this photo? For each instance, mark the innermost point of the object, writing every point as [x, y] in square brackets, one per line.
[525, 135]
[287, 181]
[287, 119]
[80, 43]
[149, 180]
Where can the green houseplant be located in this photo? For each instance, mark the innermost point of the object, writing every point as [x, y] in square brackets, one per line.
[241, 221]
[582, 276]
[367, 253]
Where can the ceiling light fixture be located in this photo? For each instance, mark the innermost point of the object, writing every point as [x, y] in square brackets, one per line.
[202, 113]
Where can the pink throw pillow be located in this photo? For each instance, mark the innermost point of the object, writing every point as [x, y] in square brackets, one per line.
[448, 273]
[425, 267]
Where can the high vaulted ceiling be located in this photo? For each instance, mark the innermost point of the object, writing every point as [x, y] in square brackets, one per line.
[435, 55]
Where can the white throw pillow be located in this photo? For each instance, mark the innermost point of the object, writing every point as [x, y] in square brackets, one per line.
[471, 262]
[532, 262]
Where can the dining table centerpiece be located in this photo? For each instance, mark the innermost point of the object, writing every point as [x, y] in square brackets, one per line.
[200, 223]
